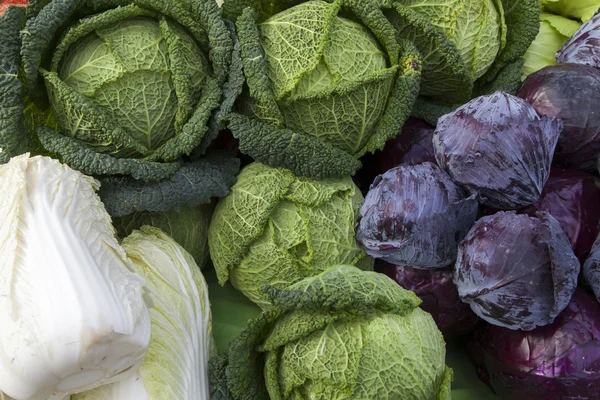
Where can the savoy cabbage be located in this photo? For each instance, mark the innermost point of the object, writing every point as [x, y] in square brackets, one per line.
[276, 228]
[343, 334]
[118, 89]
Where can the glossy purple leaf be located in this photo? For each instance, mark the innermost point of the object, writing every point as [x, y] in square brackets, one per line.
[572, 197]
[499, 148]
[554, 362]
[413, 146]
[584, 46]
[439, 295]
[516, 271]
[415, 215]
[570, 92]
[591, 269]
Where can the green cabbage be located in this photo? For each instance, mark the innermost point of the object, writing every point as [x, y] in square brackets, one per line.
[343, 334]
[326, 82]
[176, 365]
[119, 90]
[276, 228]
[554, 32]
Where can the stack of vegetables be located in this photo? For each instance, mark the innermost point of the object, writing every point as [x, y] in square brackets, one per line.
[273, 199]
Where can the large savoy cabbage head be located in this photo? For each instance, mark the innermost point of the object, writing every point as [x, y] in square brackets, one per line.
[276, 228]
[325, 83]
[469, 47]
[343, 334]
[122, 90]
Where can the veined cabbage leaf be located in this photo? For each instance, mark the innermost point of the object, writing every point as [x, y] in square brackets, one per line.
[72, 311]
[176, 366]
[555, 30]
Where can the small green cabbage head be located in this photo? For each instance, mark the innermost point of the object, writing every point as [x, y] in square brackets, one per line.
[144, 74]
[276, 228]
[343, 334]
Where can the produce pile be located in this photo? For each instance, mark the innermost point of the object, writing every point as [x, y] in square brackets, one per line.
[322, 199]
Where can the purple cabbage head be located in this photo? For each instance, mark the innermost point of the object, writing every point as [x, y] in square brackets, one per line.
[439, 295]
[572, 197]
[413, 146]
[569, 92]
[554, 362]
[515, 270]
[584, 46]
[499, 148]
[591, 269]
[415, 215]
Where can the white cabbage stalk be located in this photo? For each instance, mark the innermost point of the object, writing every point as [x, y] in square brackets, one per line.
[72, 313]
[176, 366]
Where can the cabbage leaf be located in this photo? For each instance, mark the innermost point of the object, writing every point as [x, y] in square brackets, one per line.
[176, 365]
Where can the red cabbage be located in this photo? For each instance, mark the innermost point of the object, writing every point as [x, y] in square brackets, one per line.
[499, 148]
[516, 271]
[415, 215]
[584, 46]
[439, 295]
[571, 93]
[572, 197]
[554, 362]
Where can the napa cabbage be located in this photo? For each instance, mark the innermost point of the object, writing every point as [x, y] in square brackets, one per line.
[72, 310]
[176, 365]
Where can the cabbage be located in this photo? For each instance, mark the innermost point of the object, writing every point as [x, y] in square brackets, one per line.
[569, 92]
[342, 334]
[583, 48]
[120, 90]
[555, 362]
[276, 228]
[415, 215]
[71, 309]
[438, 292]
[188, 227]
[572, 197]
[516, 271]
[499, 148]
[176, 366]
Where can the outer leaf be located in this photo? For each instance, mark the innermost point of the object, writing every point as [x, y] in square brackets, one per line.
[37, 37]
[402, 96]
[83, 158]
[346, 289]
[14, 138]
[192, 185]
[444, 74]
[302, 154]
[188, 227]
[255, 69]
[522, 19]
